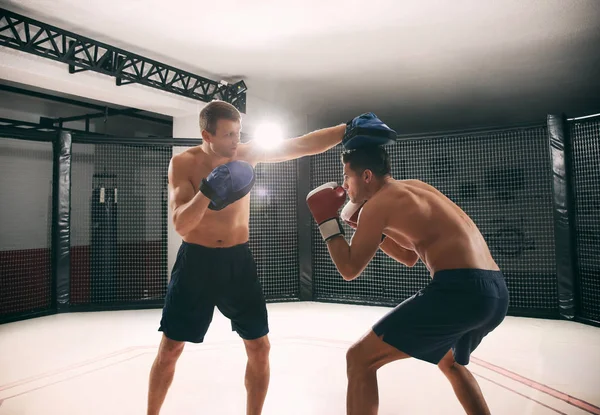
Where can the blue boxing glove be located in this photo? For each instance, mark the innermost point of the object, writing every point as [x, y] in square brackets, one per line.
[367, 130]
[228, 183]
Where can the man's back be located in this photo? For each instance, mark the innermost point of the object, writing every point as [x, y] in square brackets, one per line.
[421, 218]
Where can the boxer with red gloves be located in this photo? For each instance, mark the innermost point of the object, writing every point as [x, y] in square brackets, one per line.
[441, 324]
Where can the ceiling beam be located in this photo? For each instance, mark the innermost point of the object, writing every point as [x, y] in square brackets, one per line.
[84, 54]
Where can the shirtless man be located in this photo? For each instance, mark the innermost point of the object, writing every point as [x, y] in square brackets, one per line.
[411, 220]
[208, 189]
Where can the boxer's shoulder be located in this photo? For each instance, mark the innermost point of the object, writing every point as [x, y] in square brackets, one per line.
[189, 156]
[188, 166]
[392, 198]
[402, 189]
[390, 192]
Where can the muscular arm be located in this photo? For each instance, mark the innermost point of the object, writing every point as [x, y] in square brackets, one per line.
[188, 206]
[400, 254]
[309, 144]
[351, 259]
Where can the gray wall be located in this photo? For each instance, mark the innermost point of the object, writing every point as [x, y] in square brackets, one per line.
[25, 194]
[26, 176]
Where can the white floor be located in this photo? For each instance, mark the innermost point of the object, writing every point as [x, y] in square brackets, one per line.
[98, 363]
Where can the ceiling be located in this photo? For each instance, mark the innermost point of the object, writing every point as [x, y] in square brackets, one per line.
[422, 65]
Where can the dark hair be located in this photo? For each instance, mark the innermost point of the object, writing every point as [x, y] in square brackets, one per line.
[373, 158]
[215, 111]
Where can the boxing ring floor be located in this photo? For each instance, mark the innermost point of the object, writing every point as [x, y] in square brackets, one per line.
[98, 363]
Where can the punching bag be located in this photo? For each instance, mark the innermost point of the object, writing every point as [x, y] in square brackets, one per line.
[104, 244]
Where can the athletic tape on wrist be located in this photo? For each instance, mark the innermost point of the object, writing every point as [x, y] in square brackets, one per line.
[331, 228]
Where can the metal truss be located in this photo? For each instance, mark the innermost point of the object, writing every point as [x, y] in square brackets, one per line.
[85, 54]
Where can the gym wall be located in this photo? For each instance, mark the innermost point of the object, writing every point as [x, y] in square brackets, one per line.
[25, 226]
[504, 179]
[503, 182]
[26, 169]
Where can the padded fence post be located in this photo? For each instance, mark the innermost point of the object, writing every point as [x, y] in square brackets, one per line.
[61, 227]
[562, 199]
[304, 231]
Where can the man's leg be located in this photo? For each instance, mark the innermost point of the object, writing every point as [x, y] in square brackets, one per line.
[162, 373]
[258, 374]
[465, 386]
[363, 359]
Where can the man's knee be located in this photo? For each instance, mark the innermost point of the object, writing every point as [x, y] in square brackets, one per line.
[258, 350]
[352, 358]
[357, 359]
[448, 365]
[371, 353]
[169, 351]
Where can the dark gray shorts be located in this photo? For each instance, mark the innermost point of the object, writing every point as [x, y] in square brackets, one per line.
[204, 278]
[455, 311]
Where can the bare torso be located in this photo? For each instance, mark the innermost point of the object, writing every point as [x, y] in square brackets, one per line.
[434, 227]
[225, 228]
[217, 229]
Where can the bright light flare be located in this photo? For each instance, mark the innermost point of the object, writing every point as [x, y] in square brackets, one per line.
[268, 135]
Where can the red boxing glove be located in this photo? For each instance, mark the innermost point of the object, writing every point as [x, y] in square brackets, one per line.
[324, 203]
[350, 213]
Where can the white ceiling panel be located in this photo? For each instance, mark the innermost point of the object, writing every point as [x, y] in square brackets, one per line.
[423, 64]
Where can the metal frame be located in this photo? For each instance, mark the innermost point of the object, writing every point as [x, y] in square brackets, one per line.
[84, 54]
[8, 126]
[87, 117]
[69, 101]
[57, 124]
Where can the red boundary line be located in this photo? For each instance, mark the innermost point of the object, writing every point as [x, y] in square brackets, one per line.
[519, 393]
[579, 403]
[34, 378]
[571, 400]
[96, 369]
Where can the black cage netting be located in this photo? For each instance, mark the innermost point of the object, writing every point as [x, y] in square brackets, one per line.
[274, 229]
[120, 220]
[585, 164]
[502, 180]
[121, 238]
[119, 223]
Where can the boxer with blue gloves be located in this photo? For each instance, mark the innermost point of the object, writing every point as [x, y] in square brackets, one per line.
[409, 221]
[209, 188]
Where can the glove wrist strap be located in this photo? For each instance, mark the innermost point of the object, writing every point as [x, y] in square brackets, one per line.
[330, 228]
[210, 193]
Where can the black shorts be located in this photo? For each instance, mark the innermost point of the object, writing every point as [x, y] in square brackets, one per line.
[455, 311]
[203, 278]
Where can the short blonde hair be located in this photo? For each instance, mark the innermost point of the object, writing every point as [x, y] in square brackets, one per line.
[215, 111]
